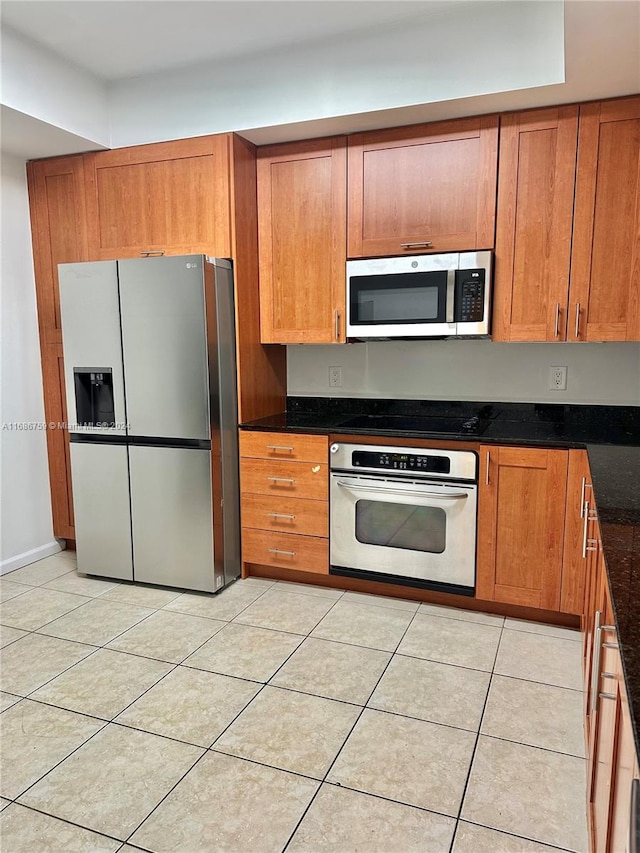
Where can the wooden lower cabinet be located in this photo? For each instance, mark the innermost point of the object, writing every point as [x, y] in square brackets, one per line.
[521, 512]
[284, 507]
[611, 757]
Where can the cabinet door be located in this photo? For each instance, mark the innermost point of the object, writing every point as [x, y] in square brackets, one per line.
[429, 188]
[302, 241]
[604, 724]
[521, 509]
[169, 198]
[59, 231]
[576, 533]
[533, 226]
[605, 276]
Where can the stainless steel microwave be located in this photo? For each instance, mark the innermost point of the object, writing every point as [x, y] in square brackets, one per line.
[420, 296]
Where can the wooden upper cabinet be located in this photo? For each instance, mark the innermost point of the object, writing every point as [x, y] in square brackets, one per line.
[427, 188]
[534, 222]
[302, 241]
[605, 270]
[59, 231]
[521, 509]
[170, 197]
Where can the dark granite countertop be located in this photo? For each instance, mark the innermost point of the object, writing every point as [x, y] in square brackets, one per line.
[535, 424]
[610, 434]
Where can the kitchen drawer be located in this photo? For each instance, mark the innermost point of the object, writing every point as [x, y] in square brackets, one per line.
[292, 479]
[286, 515]
[283, 445]
[286, 550]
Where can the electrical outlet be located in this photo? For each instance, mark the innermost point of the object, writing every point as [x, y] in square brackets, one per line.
[335, 377]
[558, 378]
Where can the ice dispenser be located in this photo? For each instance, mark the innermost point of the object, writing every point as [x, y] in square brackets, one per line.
[94, 396]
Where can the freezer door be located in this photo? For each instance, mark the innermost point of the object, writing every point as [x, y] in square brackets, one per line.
[100, 476]
[164, 345]
[171, 517]
[92, 347]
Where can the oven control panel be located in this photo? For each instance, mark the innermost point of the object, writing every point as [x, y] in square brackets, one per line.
[418, 462]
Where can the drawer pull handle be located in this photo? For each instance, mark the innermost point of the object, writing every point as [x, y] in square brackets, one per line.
[276, 447]
[585, 529]
[610, 646]
[607, 695]
[336, 324]
[155, 254]
[577, 329]
[281, 515]
[608, 627]
[608, 674]
[424, 245]
[556, 331]
[279, 551]
[593, 545]
[281, 479]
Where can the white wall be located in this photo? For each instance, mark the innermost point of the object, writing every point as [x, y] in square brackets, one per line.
[606, 373]
[25, 512]
[40, 84]
[471, 49]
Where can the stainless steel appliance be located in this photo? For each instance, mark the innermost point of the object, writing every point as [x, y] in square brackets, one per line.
[421, 296]
[404, 515]
[149, 354]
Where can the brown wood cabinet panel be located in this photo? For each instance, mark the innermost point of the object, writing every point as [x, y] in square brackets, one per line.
[624, 772]
[169, 197]
[286, 515]
[293, 479]
[302, 241]
[262, 371]
[574, 562]
[59, 233]
[432, 183]
[534, 224]
[605, 266]
[286, 550]
[521, 510]
[284, 446]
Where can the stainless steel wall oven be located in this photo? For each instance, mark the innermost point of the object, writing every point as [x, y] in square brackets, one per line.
[404, 515]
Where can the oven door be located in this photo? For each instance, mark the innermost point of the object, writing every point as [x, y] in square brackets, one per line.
[405, 528]
[388, 298]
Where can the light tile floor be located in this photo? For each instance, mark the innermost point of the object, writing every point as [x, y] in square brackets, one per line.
[280, 717]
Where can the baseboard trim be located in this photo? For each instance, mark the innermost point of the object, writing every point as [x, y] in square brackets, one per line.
[29, 557]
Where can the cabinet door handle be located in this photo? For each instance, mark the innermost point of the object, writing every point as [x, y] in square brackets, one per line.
[281, 479]
[486, 476]
[281, 515]
[336, 324]
[585, 530]
[577, 320]
[595, 663]
[157, 254]
[608, 674]
[423, 245]
[276, 447]
[557, 323]
[607, 695]
[280, 551]
[593, 546]
[610, 645]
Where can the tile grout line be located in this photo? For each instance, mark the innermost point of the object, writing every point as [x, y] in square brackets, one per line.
[477, 740]
[65, 820]
[349, 733]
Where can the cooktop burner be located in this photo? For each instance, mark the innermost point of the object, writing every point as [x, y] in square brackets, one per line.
[401, 423]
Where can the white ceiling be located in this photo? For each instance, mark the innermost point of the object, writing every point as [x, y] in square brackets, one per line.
[116, 39]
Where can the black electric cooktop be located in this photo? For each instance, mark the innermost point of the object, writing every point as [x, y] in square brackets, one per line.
[446, 425]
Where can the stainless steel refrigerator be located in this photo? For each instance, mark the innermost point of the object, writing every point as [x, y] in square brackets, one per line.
[150, 373]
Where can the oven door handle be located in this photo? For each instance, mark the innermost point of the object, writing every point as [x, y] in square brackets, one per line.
[419, 492]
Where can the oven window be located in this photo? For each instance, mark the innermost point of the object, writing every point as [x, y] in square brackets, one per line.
[398, 298]
[413, 528]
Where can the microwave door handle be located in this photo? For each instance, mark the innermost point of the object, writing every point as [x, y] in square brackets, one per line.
[451, 289]
[419, 492]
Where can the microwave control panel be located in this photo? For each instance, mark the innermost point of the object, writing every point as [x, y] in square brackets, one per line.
[469, 298]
